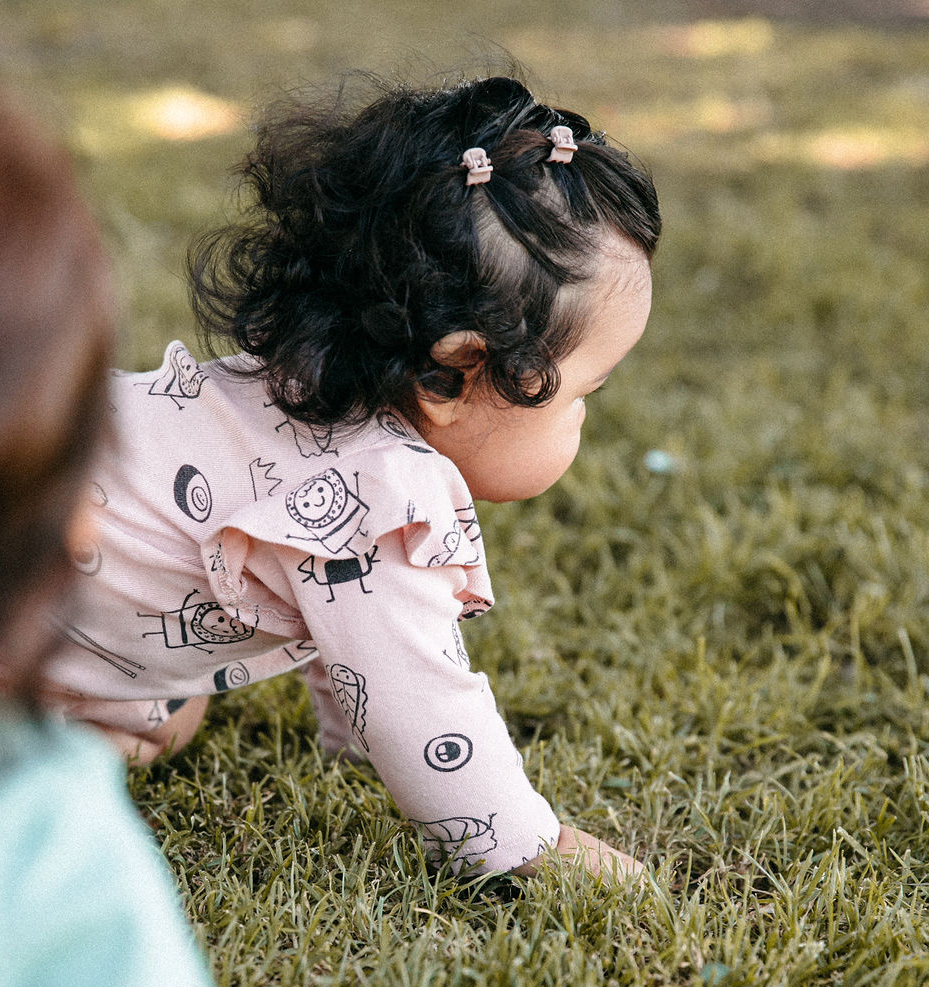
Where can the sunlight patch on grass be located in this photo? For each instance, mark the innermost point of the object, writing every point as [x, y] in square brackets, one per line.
[114, 123]
[847, 148]
[713, 39]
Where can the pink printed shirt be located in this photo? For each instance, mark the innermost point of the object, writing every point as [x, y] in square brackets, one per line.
[236, 544]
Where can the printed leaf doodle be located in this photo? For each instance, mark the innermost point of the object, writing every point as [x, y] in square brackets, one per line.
[348, 687]
[466, 838]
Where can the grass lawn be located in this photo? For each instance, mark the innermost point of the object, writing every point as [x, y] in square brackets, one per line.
[712, 636]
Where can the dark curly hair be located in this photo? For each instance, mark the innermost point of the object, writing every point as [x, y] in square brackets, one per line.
[365, 246]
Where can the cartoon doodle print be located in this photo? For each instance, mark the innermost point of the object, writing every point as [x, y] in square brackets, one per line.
[469, 838]
[194, 625]
[263, 482]
[332, 572]
[391, 423]
[126, 665]
[461, 655]
[231, 677]
[301, 651]
[466, 525]
[192, 493]
[329, 511]
[181, 380]
[87, 558]
[449, 752]
[310, 440]
[348, 688]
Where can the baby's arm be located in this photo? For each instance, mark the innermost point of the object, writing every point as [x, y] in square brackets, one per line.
[398, 676]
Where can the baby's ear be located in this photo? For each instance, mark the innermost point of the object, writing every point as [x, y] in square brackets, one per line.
[462, 350]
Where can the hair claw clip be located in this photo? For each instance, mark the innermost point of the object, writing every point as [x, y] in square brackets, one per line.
[563, 139]
[478, 164]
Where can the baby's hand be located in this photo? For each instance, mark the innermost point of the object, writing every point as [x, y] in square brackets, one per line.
[596, 856]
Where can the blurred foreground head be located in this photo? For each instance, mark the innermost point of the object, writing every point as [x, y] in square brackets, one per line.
[56, 318]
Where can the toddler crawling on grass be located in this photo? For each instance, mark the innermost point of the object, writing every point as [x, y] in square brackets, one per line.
[422, 295]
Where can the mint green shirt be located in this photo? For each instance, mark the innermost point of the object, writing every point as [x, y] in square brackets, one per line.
[86, 900]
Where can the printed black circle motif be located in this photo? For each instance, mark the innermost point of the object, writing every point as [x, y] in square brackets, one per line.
[449, 752]
[192, 493]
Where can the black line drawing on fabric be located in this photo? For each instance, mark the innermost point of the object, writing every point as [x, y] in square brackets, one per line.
[460, 657]
[333, 572]
[126, 665]
[155, 715]
[194, 625]
[87, 558]
[233, 676]
[467, 838]
[410, 512]
[449, 752]
[263, 482]
[310, 440]
[465, 530]
[348, 688]
[98, 495]
[301, 651]
[192, 493]
[391, 423]
[332, 514]
[540, 849]
[473, 608]
[181, 380]
[467, 516]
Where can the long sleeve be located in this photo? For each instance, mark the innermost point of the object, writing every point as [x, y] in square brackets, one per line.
[398, 671]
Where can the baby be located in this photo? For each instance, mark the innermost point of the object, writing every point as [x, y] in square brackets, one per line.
[420, 298]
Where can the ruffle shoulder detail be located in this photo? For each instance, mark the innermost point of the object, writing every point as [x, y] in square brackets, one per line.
[341, 510]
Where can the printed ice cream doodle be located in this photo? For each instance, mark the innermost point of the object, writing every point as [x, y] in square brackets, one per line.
[469, 838]
[310, 440]
[181, 380]
[391, 423]
[264, 483]
[194, 625]
[348, 687]
[449, 752]
[301, 651]
[231, 677]
[126, 665]
[332, 572]
[329, 511]
[192, 493]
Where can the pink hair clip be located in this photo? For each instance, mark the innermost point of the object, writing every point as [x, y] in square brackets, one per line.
[478, 164]
[563, 139]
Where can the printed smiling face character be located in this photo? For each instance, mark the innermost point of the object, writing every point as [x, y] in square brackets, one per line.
[328, 510]
[318, 501]
[212, 624]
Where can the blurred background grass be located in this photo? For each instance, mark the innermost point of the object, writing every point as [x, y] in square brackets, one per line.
[713, 634]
